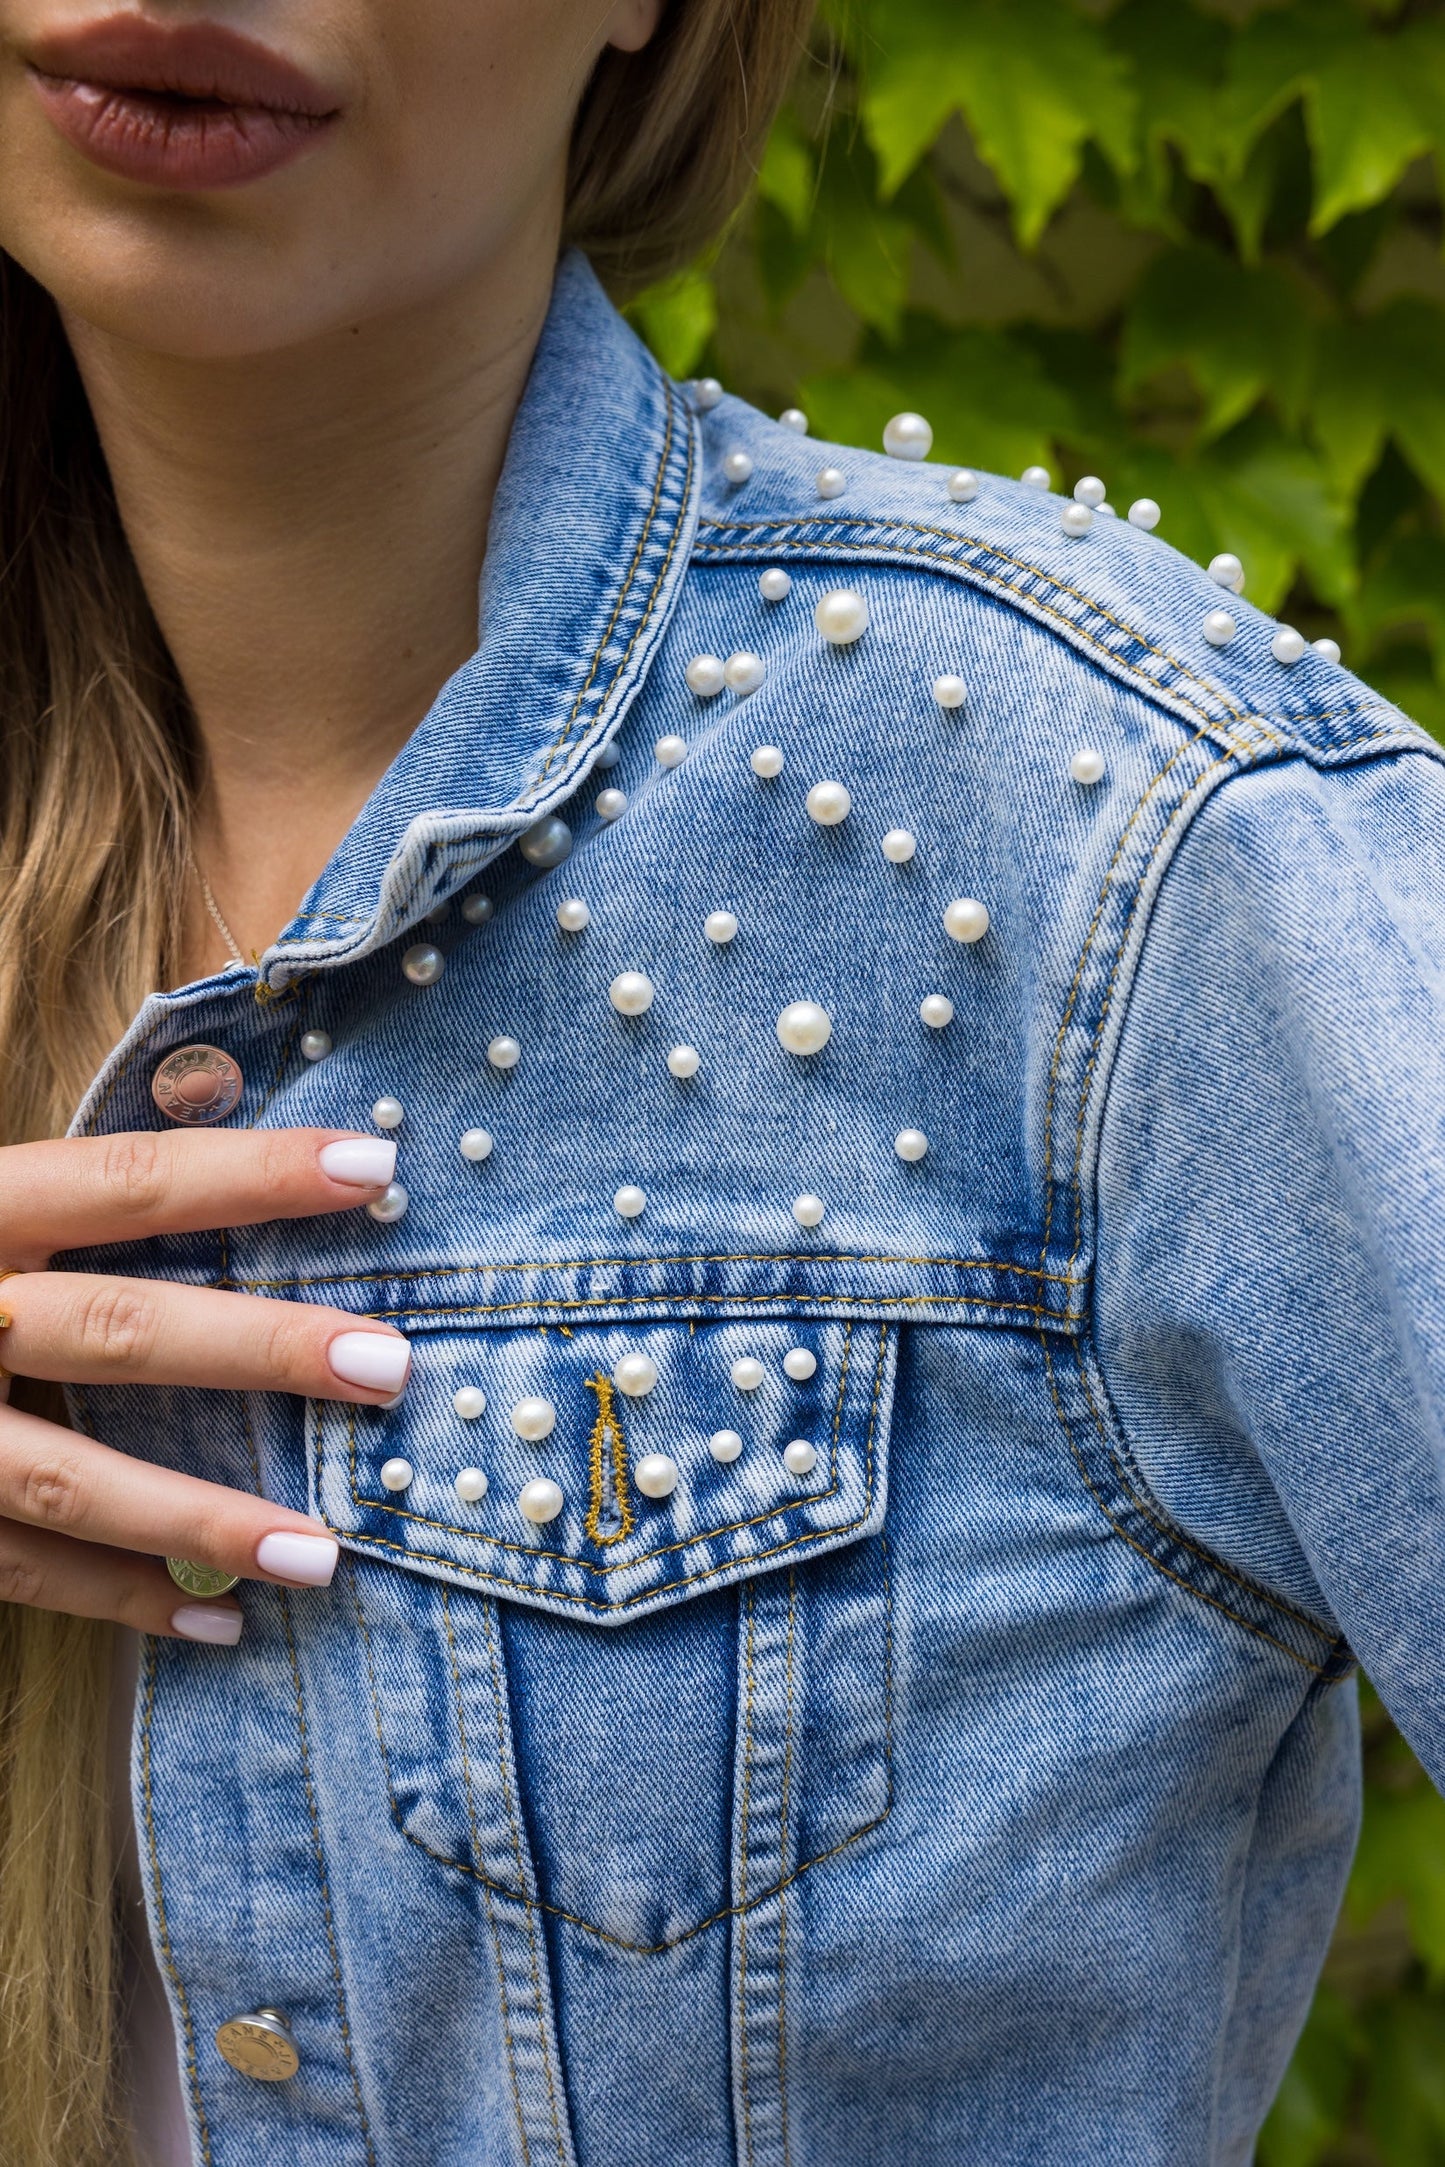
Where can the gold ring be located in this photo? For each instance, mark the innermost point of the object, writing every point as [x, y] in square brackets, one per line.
[15, 1271]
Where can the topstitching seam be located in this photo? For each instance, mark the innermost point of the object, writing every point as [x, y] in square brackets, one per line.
[193, 2075]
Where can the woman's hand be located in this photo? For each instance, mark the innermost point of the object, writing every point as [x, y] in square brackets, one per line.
[83, 1528]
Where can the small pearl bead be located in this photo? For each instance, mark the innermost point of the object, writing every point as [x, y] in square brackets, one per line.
[1227, 571]
[655, 1475]
[573, 916]
[315, 1045]
[841, 616]
[799, 1363]
[793, 417]
[808, 1209]
[910, 1144]
[705, 676]
[1144, 512]
[965, 919]
[475, 1145]
[720, 927]
[470, 1485]
[1036, 477]
[747, 1373]
[706, 394]
[670, 751]
[898, 846]
[390, 1205]
[629, 1201]
[963, 486]
[631, 993]
[437, 913]
[725, 1445]
[738, 467]
[1330, 649]
[546, 843]
[1106, 511]
[1287, 645]
[610, 804]
[774, 585]
[636, 1375]
[1087, 765]
[387, 1113]
[423, 965]
[396, 1474]
[950, 691]
[683, 1061]
[799, 1458]
[609, 756]
[766, 761]
[477, 909]
[1088, 489]
[469, 1401]
[828, 803]
[744, 672]
[1219, 627]
[936, 1009]
[534, 1418]
[1076, 519]
[908, 436]
[540, 1502]
[804, 1027]
[503, 1052]
[832, 481]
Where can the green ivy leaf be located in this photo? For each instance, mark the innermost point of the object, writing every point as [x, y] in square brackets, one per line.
[677, 318]
[786, 178]
[1404, 592]
[1405, 2108]
[1402, 1844]
[1239, 332]
[1377, 377]
[1309, 2114]
[1375, 104]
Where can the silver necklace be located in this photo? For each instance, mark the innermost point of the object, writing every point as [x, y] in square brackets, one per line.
[215, 910]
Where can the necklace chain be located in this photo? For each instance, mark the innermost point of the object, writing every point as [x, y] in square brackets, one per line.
[215, 910]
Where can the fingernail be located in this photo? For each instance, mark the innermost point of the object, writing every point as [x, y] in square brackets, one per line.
[308, 1559]
[203, 1621]
[367, 1162]
[379, 1360]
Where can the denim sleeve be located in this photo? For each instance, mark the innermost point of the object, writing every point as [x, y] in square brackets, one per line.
[1271, 1281]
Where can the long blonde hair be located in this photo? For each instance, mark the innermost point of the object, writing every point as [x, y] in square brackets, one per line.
[98, 766]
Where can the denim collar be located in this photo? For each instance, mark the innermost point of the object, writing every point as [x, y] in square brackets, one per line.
[589, 539]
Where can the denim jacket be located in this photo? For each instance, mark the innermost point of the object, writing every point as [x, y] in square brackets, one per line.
[943, 1438]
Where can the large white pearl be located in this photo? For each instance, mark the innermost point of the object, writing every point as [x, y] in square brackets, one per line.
[744, 672]
[724, 1445]
[631, 993]
[1218, 627]
[936, 1009]
[390, 1205]
[799, 1458]
[1144, 512]
[766, 761]
[832, 481]
[477, 909]
[910, 1144]
[799, 1363]
[720, 926]
[387, 1113]
[423, 965]
[534, 1418]
[1227, 571]
[629, 1202]
[1330, 649]
[503, 1052]
[397, 1474]
[476, 1145]
[610, 804]
[841, 616]
[950, 690]
[963, 486]
[469, 1401]
[966, 919]
[908, 436]
[609, 755]
[706, 394]
[315, 1045]
[636, 1375]
[705, 676]
[655, 1475]
[738, 467]
[670, 751]
[683, 1061]
[1076, 519]
[1088, 489]
[899, 846]
[1087, 765]
[573, 916]
[804, 1027]
[546, 843]
[540, 1502]
[470, 1485]
[808, 1209]
[1036, 477]
[774, 585]
[793, 417]
[828, 803]
[1287, 645]
[747, 1373]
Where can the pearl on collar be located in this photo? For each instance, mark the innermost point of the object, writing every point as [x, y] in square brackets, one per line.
[503, 1052]
[469, 1401]
[738, 467]
[804, 1027]
[546, 843]
[388, 1113]
[390, 1205]
[766, 761]
[1088, 489]
[1036, 477]
[828, 803]
[475, 1145]
[471, 1485]
[1287, 645]
[1076, 519]
[611, 805]
[936, 1010]
[629, 1202]
[655, 1475]
[841, 616]
[631, 993]
[540, 1501]
[963, 486]
[908, 436]
[396, 1474]
[1227, 571]
[744, 671]
[670, 751]
[1218, 627]
[423, 964]
[793, 417]
[573, 915]
[950, 691]
[1087, 765]
[534, 1418]
[1145, 513]
[315, 1045]
[832, 481]
[910, 1144]
[898, 846]
[477, 909]
[775, 585]
[966, 919]
[721, 927]
[705, 676]
[683, 1061]
[808, 1209]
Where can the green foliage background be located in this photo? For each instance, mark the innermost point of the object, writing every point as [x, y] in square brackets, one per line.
[1194, 246]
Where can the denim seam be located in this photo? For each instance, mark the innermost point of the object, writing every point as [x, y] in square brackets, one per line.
[193, 2075]
[745, 1837]
[742, 1256]
[782, 1867]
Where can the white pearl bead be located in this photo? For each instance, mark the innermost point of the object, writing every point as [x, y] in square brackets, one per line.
[706, 394]
[832, 481]
[1219, 627]
[423, 965]
[1106, 511]
[936, 1009]
[841, 616]
[540, 1502]
[397, 1474]
[573, 916]
[744, 672]
[808, 1209]
[799, 1458]
[469, 1401]
[724, 1445]
[629, 1202]
[910, 1144]
[1144, 512]
[963, 486]
[828, 803]
[475, 1145]
[503, 1052]
[949, 690]
[470, 1485]
[437, 913]
[908, 436]
[636, 1375]
[799, 1363]
[747, 1373]
[1227, 571]
[670, 751]
[1036, 477]
[965, 919]
[898, 846]
[655, 1475]
[1088, 489]
[766, 761]
[387, 1113]
[610, 804]
[631, 993]
[774, 585]
[1330, 649]
[720, 927]
[546, 843]
[1087, 765]
[705, 676]
[1287, 645]
[738, 467]
[534, 1418]
[315, 1045]
[793, 417]
[609, 755]
[804, 1027]
[683, 1061]
[477, 909]
[1076, 519]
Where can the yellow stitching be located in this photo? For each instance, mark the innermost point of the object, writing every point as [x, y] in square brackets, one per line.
[743, 1881]
[607, 1426]
[782, 1867]
[586, 1264]
[167, 1954]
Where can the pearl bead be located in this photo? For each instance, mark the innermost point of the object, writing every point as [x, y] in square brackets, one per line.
[706, 394]
[629, 1201]
[1227, 571]
[388, 1114]
[503, 1052]
[469, 1401]
[546, 843]
[540, 1502]
[611, 804]
[1036, 477]
[475, 1145]
[804, 1027]
[705, 676]
[477, 909]
[910, 1144]
[808, 1209]
[724, 1445]
[828, 803]
[950, 691]
[390, 1205]
[631, 993]
[799, 1363]
[744, 672]
[841, 616]
[1088, 489]
[1287, 645]
[793, 417]
[573, 916]
[655, 1475]
[470, 1485]
[609, 755]
[1106, 511]
[1330, 649]
[908, 436]
[1087, 765]
[1144, 512]
[534, 1418]
[738, 467]
[1219, 627]
[670, 751]
[936, 1009]
[898, 846]
[963, 486]
[437, 913]
[315, 1045]
[683, 1061]
[799, 1458]
[747, 1373]
[423, 965]
[1076, 519]
[720, 927]
[774, 585]
[766, 761]
[396, 1474]
[965, 919]
[636, 1375]
[832, 481]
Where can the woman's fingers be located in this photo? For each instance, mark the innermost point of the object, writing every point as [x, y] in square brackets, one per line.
[86, 1581]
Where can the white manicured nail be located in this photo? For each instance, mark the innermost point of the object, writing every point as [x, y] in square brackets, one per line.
[202, 1621]
[367, 1162]
[378, 1360]
[308, 1559]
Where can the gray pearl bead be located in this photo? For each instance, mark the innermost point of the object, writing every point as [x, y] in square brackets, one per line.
[546, 843]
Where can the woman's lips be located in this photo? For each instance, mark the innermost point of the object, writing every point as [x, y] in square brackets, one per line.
[177, 105]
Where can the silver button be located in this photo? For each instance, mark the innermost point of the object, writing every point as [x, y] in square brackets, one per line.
[259, 2045]
[196, 1084]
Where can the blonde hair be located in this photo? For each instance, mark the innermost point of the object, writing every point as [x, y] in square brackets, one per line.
[98, 766]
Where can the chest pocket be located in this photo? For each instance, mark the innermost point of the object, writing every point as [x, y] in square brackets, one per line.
[623, 1604]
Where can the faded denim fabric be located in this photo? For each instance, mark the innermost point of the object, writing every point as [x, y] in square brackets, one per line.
[984, 1792]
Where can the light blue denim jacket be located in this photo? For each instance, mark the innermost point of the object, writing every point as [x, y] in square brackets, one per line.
[976, 1780]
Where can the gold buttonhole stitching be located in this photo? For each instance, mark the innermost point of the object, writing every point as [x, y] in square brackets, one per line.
[608, 1472]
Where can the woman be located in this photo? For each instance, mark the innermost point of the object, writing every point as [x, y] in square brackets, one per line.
[783, 1226]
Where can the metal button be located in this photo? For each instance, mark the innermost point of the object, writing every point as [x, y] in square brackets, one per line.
[259, 2045]
[196, 1084]
[204, 1580]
